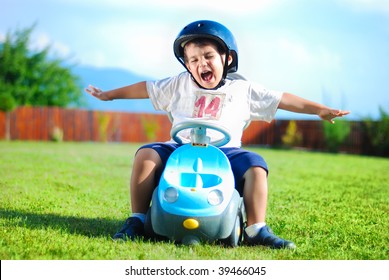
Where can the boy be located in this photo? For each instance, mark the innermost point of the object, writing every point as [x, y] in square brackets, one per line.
[208, 51]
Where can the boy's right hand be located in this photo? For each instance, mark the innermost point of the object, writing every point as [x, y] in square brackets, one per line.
[98, 93]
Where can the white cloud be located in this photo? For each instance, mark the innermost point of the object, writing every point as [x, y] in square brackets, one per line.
[381, 6]
[140, 42]
[138, 46]
[43, 40]
[40, 41]
[291, 64]
[223, 6]
[297, 53]
[95, 58]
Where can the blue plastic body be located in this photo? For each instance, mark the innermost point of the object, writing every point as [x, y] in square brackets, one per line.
[198, 184]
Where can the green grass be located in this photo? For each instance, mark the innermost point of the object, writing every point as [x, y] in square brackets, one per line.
[65, 201]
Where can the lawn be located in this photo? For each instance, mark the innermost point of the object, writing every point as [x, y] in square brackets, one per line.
[65, 201]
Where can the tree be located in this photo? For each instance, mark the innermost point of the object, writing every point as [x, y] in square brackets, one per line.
[29, 77]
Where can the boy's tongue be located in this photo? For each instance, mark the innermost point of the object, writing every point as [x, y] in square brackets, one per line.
[207, 76]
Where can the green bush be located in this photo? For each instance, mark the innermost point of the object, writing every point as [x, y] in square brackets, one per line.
[376, 141]
[335, 134]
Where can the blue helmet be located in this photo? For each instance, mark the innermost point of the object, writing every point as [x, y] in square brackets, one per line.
[211, 30]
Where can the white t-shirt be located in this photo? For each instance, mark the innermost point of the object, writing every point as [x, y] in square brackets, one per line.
[232, 105]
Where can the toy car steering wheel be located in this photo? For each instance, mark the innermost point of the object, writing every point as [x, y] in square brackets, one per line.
[199, 128]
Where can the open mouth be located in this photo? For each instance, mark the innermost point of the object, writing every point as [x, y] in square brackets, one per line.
[206, 76]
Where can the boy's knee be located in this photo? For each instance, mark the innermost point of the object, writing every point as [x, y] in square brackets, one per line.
[148, 157]
[147, 154]
[255, 171]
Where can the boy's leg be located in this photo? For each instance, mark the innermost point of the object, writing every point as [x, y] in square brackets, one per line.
[255, 199]
[147, 162]
[255, 195]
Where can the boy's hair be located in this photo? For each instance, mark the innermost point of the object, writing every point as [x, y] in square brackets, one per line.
[206, 41]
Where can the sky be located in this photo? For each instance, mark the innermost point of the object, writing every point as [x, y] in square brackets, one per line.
[334, 52]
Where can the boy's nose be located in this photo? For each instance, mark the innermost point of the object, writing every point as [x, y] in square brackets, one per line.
[203, 62]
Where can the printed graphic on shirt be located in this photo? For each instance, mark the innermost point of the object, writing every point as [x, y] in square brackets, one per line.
[208, 105]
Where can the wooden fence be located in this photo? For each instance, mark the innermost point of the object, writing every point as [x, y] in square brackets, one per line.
[44, 124]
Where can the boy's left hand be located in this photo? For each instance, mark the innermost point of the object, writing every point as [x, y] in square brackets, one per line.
[330, 114]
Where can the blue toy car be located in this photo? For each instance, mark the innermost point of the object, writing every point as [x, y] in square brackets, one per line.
[196, 200]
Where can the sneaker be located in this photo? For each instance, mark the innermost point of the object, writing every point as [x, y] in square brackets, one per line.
[266, 237]
[132, 229]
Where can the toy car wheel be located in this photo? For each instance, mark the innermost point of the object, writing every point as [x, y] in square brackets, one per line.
[236, 235]
[149, 232]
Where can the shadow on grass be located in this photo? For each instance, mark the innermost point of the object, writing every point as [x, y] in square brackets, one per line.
[90, 227]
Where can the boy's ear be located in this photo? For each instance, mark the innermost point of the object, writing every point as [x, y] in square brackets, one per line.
[230, 59]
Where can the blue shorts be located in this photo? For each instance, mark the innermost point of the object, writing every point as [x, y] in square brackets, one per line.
[241, 160]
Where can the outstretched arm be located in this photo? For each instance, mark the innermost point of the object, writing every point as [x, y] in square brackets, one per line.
[297, 104]
[135, 91]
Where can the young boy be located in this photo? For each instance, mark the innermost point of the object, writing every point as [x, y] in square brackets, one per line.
[208, 51]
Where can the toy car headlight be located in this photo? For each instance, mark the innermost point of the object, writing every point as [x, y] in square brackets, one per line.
[215, 197]
[171, 195]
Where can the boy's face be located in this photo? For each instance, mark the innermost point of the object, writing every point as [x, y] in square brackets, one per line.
[205, 64]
